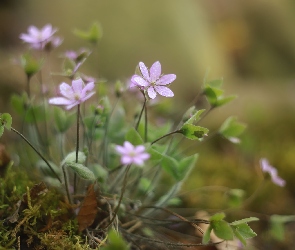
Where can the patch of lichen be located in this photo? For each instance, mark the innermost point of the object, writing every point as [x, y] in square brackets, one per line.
[35, 221]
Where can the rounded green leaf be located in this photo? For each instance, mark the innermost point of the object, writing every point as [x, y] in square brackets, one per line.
[82, 171]
[6, 120]
[193, 132]
[231, 129]
[222, 229]
[71, 157]
[133, 137]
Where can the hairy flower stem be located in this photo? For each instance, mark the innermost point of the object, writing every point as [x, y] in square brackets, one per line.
[141, 112]
[42, 157]
[121, 196]
[162, 137]
[145, 121]
[77, 146]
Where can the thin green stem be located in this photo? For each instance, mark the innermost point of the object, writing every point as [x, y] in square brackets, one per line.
[141, 112]
[42, 157]
[162, 137]
[77, 145]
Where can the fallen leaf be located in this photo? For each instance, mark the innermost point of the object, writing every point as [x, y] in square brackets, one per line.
[88, 210]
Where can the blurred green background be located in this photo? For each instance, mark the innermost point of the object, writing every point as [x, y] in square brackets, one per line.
[250, 44]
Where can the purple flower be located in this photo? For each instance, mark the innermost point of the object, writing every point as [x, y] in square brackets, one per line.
[272, 172]
[132, 154]
[73, 95]
[152, 80]
[38, 39]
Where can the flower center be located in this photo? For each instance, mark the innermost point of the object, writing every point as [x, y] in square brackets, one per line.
[77, 96]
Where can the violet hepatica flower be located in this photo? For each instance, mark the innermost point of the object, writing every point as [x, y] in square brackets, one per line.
[132, 154]
[39, 38]
[152, 81]
[272, 172]
[73, 95]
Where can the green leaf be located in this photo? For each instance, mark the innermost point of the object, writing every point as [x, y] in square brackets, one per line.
[186, 165]
[117, 128]
[212, 90]
[195, 116]
[82, 171]
[222, 229]
[243, 232]
[217, 83]
[277, 227]
[206, 236]
[235, 197]
[100, 173]
[246, 220]
[170, 165]
[133, 137]
[240, 237]
[231, 129]
[218, 216]
[224, 100]
[63, 120]
[193, 132]
[93, 35]
[212, 94]
[115, 242]
[71, 157]
[6, 120]
[23, 106]
[155, 155]
[144, 184]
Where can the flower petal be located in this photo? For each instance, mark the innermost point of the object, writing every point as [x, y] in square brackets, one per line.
[164, 91]
[88, 87]
[33, 31]
[166, 79]
[66, 90]
[60, 101]
[278, 180]
[27, 38]
[78, 85]
[128, 146]
[47, 31]
[139, 149]
[144, 71]
[151, 93]
[83, 99]
[139, 81]
[125, 159]
[120, 149]
[155, 71]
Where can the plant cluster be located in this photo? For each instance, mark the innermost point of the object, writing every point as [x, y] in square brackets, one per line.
[106, 179]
